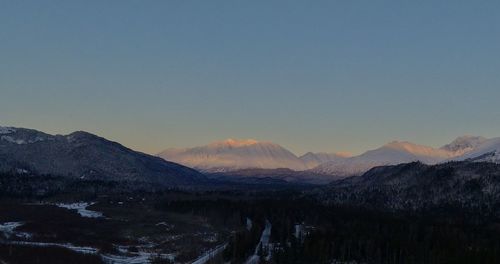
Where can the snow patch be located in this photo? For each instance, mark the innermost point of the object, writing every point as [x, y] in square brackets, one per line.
[8, 228]
[249, 224]
[13, 140]
[298, 231]
[22, 171]
[6, 130]
[37, 139]
[19, 141]
[81, 208]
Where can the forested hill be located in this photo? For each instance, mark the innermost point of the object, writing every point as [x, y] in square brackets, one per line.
[473, 186]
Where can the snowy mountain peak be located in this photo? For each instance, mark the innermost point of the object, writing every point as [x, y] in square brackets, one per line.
[487, 151]
[232, 154]
[236, 142]
[392, 153]
[464, 144]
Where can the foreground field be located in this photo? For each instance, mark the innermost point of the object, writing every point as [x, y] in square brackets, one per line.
[121, 229]
[271, 227]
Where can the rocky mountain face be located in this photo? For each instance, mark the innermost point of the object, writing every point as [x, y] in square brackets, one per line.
[232, 155]
[86, 156]
[415, 186]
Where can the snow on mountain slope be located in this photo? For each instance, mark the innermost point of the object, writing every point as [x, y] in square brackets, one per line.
[231, 154]
[395, 152]
[6, 130]
[86, 156]
[488, 151]
[312, 160]
[464, 144]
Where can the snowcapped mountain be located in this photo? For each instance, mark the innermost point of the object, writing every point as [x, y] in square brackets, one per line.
[487, 151]
[393, 153]
[464, 144]
[231, 155]
[312, 160]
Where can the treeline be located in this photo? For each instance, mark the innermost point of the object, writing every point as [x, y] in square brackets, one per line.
[37, 186]
[346, 234]
[327, 233]
[368, 238]
[17, 254]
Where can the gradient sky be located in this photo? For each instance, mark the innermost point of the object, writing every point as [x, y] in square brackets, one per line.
[309, 75]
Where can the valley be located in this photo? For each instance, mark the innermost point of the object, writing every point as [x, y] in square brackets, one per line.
[249, 132]
[83, 199]
[250, 225]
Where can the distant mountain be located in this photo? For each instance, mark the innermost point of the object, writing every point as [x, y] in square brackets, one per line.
[393, 153]
[486, 151]
[235, 155]
[416, 186]
[231, 155]
[312, 160]
[464, 144]
[86, 156]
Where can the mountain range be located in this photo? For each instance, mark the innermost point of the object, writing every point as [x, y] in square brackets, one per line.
[235, 155]
[398, 152]
[86, 156]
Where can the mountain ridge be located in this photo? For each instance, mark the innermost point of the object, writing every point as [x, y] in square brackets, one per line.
[417, 186]
[84, 155]
[398, 152]
[233, 155]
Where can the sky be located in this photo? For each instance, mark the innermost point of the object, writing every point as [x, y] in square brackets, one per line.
[309, 75]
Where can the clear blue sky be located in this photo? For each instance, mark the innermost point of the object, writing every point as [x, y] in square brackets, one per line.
[310, 75]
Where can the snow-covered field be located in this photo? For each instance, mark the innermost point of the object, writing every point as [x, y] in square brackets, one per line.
[81, 208]
[8, 228]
